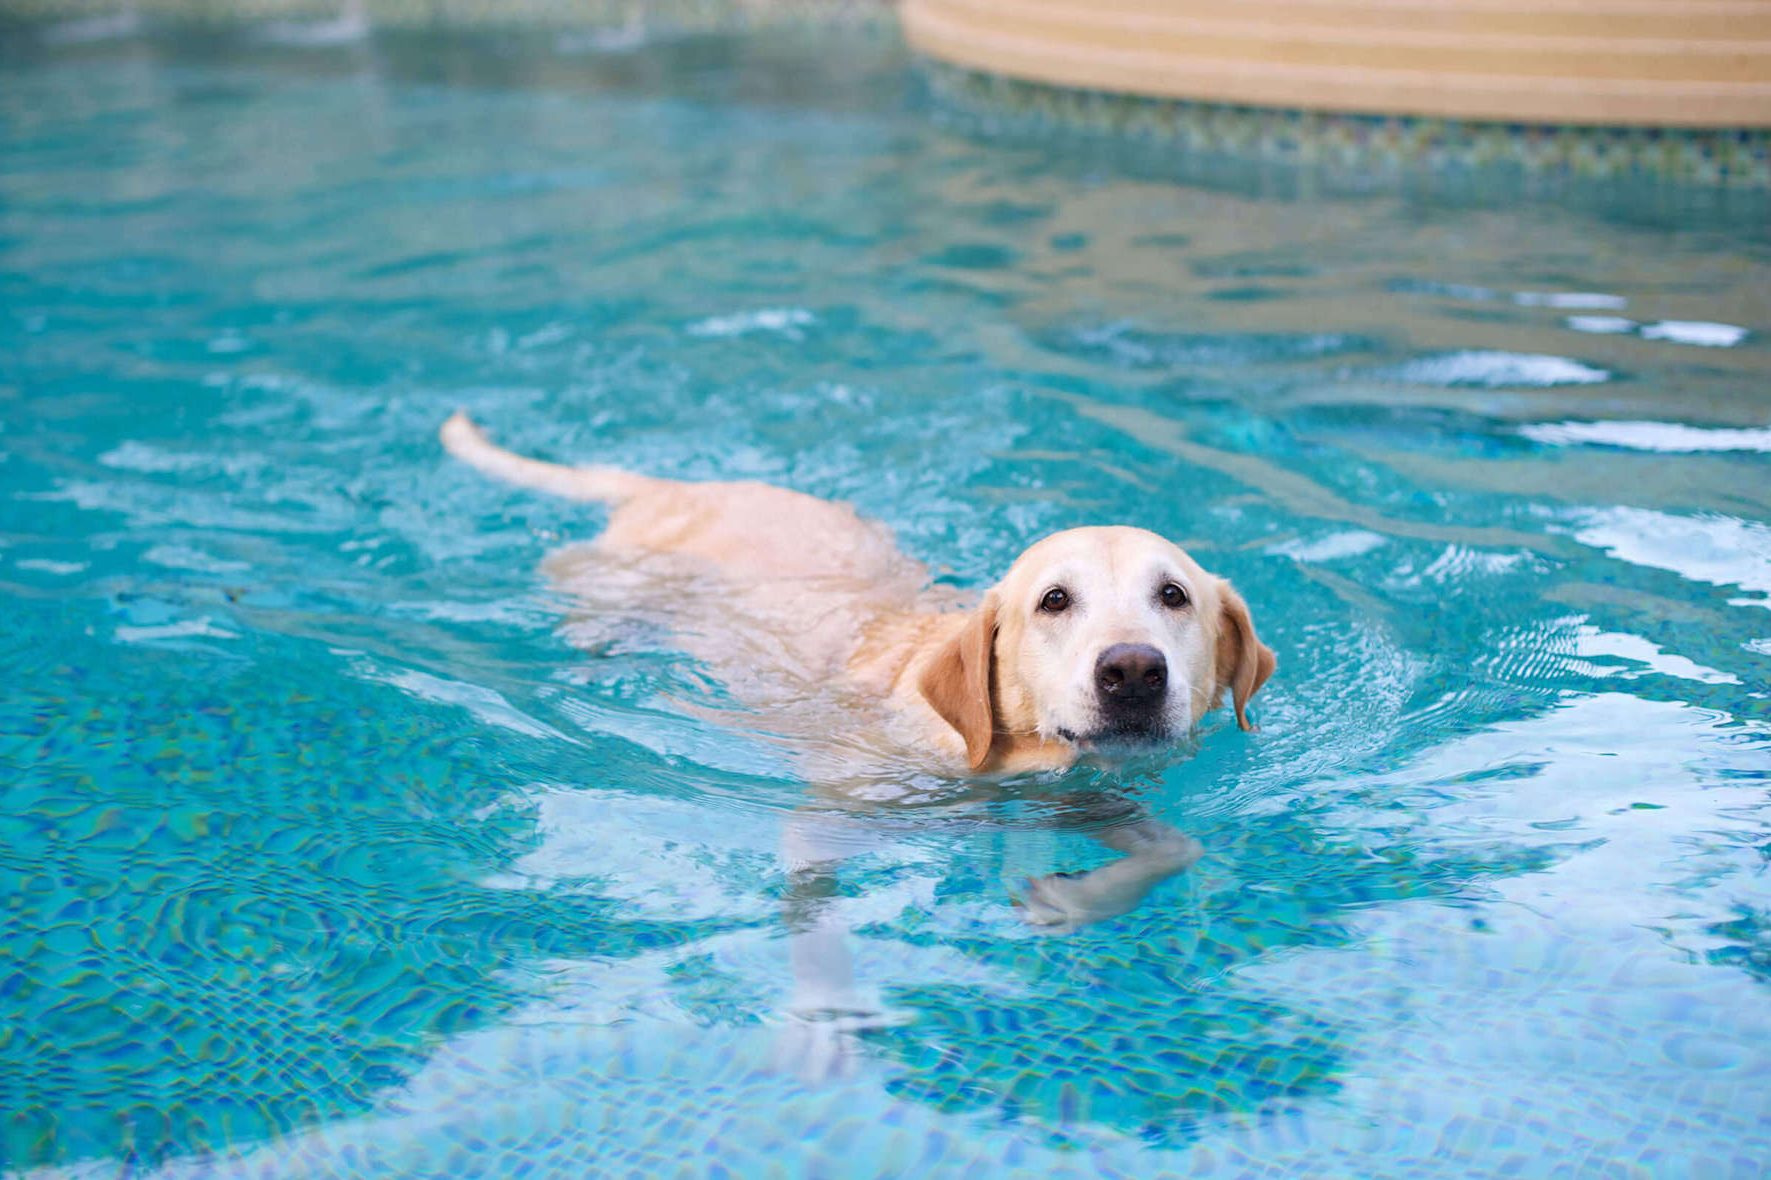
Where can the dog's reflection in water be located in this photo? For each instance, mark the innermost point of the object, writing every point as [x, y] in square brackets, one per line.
[829, 1011]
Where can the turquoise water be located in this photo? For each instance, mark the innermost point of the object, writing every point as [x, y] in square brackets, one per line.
[324, 853]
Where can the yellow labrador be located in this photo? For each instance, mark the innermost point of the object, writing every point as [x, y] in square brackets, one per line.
[1097, 639]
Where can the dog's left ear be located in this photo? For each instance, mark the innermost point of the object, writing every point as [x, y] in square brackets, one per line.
[956, 682]
[1244, 662]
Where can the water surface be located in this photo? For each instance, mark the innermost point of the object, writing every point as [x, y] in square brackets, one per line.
[325, 853]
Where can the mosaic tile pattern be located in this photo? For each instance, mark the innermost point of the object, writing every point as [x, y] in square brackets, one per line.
[1378, 147]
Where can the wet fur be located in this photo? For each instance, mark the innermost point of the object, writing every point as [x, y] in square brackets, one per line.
[806, 609]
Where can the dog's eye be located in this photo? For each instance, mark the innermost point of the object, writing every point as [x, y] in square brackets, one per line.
[1173, 597]
[1056, 601]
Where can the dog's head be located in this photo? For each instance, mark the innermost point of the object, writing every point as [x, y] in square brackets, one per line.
[1101, 638]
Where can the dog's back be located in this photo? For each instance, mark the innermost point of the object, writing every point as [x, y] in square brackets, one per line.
[758, 582]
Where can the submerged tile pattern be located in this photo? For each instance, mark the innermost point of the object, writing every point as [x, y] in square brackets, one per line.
[1371, 146]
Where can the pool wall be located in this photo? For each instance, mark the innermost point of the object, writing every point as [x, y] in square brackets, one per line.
[1637, 63]
[1667, 89]
[1361, 150]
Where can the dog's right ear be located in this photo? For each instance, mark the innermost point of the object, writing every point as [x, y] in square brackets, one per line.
[956, 682]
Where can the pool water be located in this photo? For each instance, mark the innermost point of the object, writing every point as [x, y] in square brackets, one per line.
[325, 853]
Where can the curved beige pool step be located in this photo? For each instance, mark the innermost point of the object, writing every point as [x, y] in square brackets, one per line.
[1656, 63]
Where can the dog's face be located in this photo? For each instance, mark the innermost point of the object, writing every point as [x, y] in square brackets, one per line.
[1100, 638]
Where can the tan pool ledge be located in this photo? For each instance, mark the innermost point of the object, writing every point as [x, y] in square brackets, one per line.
[1603, 63]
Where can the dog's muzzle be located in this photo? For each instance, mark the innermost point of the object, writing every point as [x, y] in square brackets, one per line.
[1131, 690]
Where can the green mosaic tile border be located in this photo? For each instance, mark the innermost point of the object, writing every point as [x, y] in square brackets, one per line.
[1374, 146]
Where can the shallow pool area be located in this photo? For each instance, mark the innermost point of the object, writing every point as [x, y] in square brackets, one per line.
[325, 853]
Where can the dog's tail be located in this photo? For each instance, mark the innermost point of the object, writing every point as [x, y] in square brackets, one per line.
[467, 442]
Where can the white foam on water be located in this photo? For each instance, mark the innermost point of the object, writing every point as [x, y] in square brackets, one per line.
[1459, 562]
[1493, 369]
[45, 565]
[1590, 641]
[1711, 548]
[1666, 437]
[1698, 332]
[186, 629]
[149, 459]
[1601, 325]
[1333, 547]
[1595, 300]
[786, 320]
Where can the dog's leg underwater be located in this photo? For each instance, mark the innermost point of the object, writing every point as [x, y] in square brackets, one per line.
[1154, 852]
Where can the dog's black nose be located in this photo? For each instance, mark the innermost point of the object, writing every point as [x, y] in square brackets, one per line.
[1132, 675]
